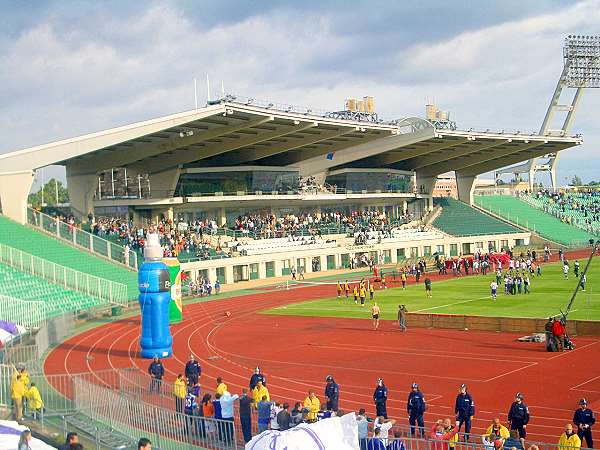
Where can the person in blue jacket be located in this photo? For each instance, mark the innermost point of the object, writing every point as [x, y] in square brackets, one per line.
[192, 371]
[464, 408]
[416, 406]
[518, 416]
[584, 420]
[256, 377]
[380, 398]
[156, 371]
[332, 394]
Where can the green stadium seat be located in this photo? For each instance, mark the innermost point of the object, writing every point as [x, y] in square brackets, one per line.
[37, 243]
[459, 219]
[544, 224]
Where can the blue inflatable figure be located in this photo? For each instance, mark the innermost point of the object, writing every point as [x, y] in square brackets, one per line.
[155, 295]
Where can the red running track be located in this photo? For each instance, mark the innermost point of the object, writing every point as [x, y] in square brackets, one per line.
[296, 353]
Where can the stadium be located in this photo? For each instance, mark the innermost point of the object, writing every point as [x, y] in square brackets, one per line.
[280, 232]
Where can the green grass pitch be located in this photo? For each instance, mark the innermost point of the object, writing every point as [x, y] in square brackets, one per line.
[471, 296]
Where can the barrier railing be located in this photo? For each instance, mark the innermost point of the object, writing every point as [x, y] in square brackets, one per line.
[168, 430]
[28, 314]
[80, 238]
[101, 288]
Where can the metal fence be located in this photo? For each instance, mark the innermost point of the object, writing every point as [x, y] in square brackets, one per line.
[109, 291]
[80, 238]
[28, 314]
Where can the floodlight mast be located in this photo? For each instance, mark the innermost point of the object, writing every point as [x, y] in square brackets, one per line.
[581, 55]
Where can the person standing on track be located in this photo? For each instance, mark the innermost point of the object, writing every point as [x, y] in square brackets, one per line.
[380, 397]
[192, 371]
[518, 416]
[156, 371]
[376, 312]
[256, 377]
[339, 290]
[584, 420]
[416, 407]
[332, 394]
[402, 317]
[464, 408]
[347, 289]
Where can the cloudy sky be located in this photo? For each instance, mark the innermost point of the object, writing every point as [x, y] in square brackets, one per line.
[71, 67]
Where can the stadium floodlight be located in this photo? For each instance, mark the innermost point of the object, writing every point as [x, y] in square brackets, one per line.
[582, 61]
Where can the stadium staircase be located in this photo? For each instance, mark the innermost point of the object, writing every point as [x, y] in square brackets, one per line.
[459, 219]
[57, 299]
[31, 241]
[545, 225]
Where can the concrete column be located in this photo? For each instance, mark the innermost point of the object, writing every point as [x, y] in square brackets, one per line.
[262, 270]
[14, 190]
[277, 267]
[465, 185]
[229, 274]
[393, 256]
[308, 264]
[425, 183]
[212, 274]
[222, 220]
[81, 193]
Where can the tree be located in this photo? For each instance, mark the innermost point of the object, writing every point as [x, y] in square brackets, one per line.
[49, 194]
[576, 181]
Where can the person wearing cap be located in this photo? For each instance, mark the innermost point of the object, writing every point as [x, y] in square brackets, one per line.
[192, 371]
[569, 439]
[584, 420]
[416, 406]
[156, 371]
[332, 393]
[518, 416]
[464, 408]
[380, 398]
[259, 392]
[256, 377]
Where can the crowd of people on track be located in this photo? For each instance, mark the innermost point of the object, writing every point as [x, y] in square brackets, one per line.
[379, 432]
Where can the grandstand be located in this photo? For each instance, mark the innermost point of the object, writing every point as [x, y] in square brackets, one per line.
[34, 242]
[460, 219]
[57, 299]
[542, 223]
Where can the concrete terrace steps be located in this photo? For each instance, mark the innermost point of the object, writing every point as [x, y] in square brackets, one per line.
[37, 243]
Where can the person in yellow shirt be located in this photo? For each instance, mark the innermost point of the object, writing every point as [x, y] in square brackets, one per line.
[339, 289]
[363, 296]
[221, 387]
[569, 439]
[17, 392]
[403, 279]
[372, 291]
[498, 429]
[355, 292]
[347, 288]
[179, 391]
[260, 391]
[313, 405]
[34, 400]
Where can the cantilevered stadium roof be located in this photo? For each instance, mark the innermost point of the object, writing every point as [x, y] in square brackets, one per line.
[232, 133]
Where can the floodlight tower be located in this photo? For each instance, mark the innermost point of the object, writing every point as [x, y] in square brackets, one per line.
[581, 55]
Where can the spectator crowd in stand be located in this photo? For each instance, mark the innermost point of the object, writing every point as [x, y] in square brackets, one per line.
[581, 208]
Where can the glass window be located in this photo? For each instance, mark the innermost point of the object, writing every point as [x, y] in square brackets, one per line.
[453, 249]
[427, 250]
[439, 249]
[414, 252]
[400, 254]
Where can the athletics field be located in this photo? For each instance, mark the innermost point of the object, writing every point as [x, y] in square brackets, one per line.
[468, 295]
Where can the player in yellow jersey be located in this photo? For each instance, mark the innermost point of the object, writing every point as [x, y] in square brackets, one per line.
[363, 295]
[339, 289]
[371, 291]
[355, 292]
[347, 288]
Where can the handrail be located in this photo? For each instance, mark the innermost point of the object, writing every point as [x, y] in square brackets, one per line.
[25, 313]
[81, 238]
[109, 291]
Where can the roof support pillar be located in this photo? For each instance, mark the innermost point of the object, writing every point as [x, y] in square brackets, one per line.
[465, 184]
[424, 185]
[81, 193]
[14, 190]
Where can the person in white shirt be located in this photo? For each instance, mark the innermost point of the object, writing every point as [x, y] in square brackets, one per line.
[494, 289]
[566, 271]
[384, 425]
